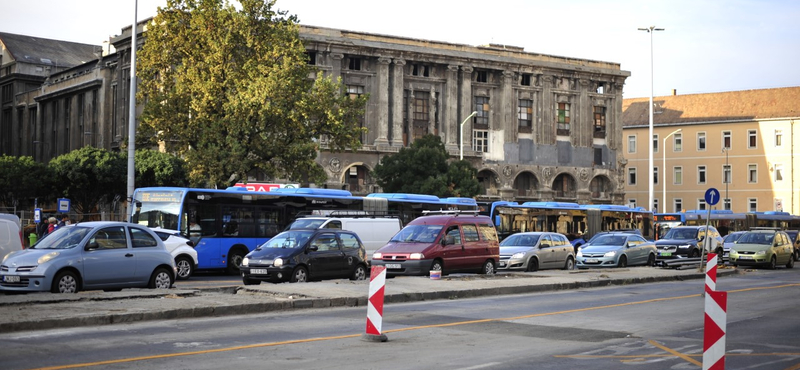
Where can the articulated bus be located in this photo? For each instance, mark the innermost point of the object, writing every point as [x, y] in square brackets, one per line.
[727, 221]
[226, 224]
[569, 218]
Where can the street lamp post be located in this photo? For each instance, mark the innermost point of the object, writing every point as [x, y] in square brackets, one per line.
[461, 138]
[664, 169]
[650, 30]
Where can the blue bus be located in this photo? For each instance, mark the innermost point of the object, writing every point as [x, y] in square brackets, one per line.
[227, 224]
[726, 221]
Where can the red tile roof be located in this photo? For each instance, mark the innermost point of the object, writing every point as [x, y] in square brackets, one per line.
[742, 105]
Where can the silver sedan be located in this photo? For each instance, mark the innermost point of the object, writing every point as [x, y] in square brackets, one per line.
[617, 250]
[532, 251]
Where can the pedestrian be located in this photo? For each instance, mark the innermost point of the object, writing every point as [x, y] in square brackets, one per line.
[53, 224]
[41, 227]
[64, 221]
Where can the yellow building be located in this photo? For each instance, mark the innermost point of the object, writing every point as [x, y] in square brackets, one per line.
[742, 143]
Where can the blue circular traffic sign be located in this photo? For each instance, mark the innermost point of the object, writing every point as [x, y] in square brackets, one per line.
[712, 196]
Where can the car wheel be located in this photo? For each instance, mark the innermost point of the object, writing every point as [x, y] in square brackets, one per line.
[695, 254]
[247, 281]
[790, 264]
[488, 268]
[161, 279]
[235, 258]
[66, 282]
[570, 264]
[299, 275]
[185, 268]
[651, 260]
[773, 263]
[359, 273]
[533, 264]
[623, 261]
[437, 265]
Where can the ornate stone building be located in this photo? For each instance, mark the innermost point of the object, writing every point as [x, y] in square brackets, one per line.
[544, 127]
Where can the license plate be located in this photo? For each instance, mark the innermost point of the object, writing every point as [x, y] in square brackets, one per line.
[591, 260]
[259, 271]
[665, 254]
[393, 266]
[745, 257]
[502, 264]
[11, 279]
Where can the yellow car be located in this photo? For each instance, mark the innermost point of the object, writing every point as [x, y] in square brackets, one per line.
[763, 247]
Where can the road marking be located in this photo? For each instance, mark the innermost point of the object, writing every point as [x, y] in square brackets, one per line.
[676, 353]
[458, 323]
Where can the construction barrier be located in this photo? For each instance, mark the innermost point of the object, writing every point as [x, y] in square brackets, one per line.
[716, 307]
[377, 281]
[711, 273]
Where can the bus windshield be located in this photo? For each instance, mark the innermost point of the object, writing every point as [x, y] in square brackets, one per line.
[158, 209]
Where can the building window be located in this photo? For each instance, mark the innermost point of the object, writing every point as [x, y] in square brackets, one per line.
[599, 122]
[311, 58]
[701, 204]
[655, 175]
[354, 64]
[632, 144]
[632, 203]
[480, 141]
[726, 204]
[726, 139]
[677, 204]
[354, 91]
[601, 88]
[726, 174]
[752, 173]
[751, 139]
[778, 138]
[525, 113]
[420, 70]
[481, 76]
[701, 141]
[701, 174]
[655, 204]
[677, 173]
[632, 176]
[562, 119]
[526, 80]
[778, 170]
[421, 106]
[482, 107]
[752, 204]
[677, 142]
[655, 143]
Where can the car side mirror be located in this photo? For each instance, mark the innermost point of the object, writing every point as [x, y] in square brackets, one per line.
[313, 248]
[631, 244]
[91, 246]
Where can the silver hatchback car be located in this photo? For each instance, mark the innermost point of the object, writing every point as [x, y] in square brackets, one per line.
[531, 251]
[90, 255]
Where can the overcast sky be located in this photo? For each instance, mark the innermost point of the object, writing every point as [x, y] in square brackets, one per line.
[708, 45]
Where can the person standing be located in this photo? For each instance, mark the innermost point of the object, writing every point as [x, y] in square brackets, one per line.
[53, 225]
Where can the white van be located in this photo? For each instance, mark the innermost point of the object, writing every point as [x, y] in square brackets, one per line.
[374, 232]
[10, 235]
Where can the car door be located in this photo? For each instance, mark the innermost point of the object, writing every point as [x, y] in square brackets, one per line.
[453, 254]
[327, 260]
[562, 248]
[636, 252]
[474, 248]
[147, 254]
[107, 258]
[546, 252]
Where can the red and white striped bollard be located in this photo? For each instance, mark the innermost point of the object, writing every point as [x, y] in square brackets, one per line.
[716, 308]
[711, 273]
[377, 282]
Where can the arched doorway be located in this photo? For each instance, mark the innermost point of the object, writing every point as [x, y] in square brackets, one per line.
[564, 186]
[489, 182]
[526, 185]
[600, 187]
[357, 180]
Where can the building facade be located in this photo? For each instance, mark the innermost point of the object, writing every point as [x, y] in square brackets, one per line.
[743, 143]
[544, 127]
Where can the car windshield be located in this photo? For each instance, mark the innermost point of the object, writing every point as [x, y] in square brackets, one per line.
[301, 223]
[730, 238]
[63, 238]
[288, 240]
[756, 238]
[418, 234]
[609, 240]
[520, 240]
[682, 233]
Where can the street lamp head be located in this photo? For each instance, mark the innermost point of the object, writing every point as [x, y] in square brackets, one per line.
[650, 29]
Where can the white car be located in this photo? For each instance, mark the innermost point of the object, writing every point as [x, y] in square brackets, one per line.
[182, 249]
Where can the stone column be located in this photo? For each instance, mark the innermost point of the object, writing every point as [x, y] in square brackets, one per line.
[547, 134]
[432, 112]
[466, 107]
[336, 66]
[397, 103]
[450, 106]
[508, 123]
[383, 101]
[583, 128]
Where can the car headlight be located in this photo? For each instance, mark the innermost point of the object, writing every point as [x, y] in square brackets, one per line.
[246, 262]
[685, 246]
[377, 256]
[579, 254]
[47, 257]
[733, 251]
[761, 253]
[518, 255]
[416, 256]
[610, 254]
[278, 262]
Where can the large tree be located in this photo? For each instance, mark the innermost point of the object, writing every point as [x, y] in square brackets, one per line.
[21, 180]
[229, 91]
[89, 177]
[154, 168]
[423, 168]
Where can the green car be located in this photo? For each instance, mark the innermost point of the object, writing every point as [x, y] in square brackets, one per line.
[764, 247]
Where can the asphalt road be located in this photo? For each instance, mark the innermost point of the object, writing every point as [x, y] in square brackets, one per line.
[643, 326]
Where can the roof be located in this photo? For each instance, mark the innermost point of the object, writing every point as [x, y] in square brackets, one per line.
[744, 105]
[37, 50]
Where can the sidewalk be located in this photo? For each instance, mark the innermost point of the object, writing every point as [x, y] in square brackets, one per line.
[48, 311]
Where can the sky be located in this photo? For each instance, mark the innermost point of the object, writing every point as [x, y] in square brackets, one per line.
[707, 45]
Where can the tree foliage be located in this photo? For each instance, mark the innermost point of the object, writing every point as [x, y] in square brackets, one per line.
[423, 169]
[89, 177]
[22, 179]
[154, 168]
[229, 91]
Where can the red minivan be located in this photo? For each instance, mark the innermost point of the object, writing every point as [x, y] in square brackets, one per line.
[453, 242]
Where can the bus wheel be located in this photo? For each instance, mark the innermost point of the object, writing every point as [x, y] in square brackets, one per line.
[235, 258]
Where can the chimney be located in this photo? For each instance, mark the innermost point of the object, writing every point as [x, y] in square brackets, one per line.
[674, 92]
